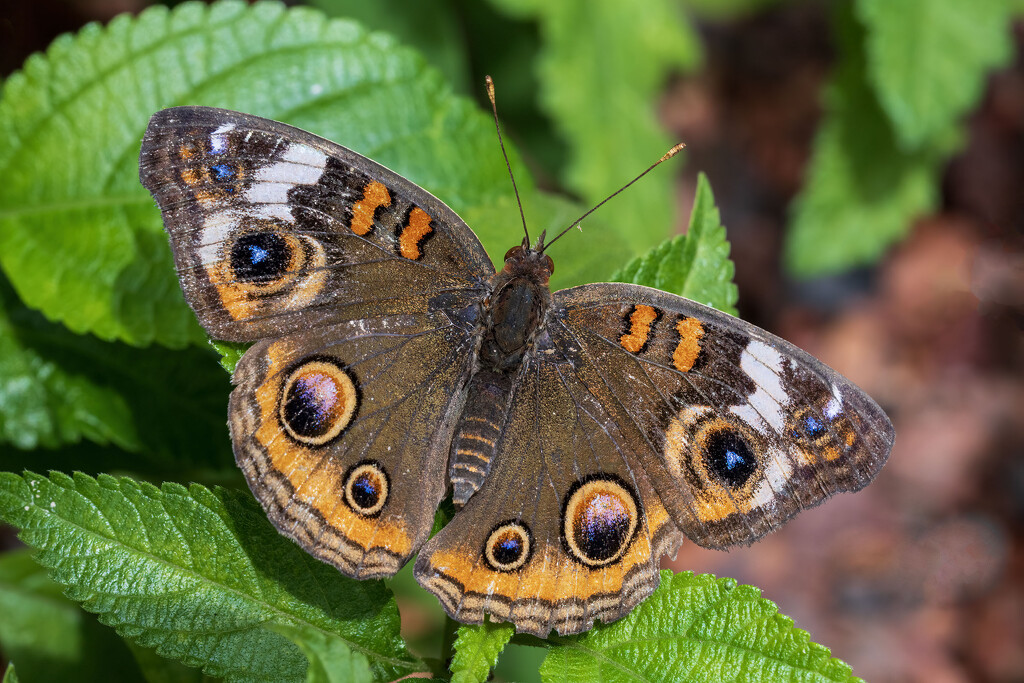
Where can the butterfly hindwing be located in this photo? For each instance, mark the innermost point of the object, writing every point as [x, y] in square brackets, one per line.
[345, 459]
[566, 528]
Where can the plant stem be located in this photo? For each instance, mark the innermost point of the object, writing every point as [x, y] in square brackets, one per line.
[448, 640]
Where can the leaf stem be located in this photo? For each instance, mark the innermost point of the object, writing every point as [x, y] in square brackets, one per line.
[448, 636]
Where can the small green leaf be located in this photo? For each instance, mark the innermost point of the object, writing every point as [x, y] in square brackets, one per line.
[81, 240]
[198, 575]
[330, 659]
[603, 64]
[696, 629]
[695, 265]
[58, 388]
[10, 676]
[928, 60]
[862, 191]
[45, 404]
[477, 649]
[50, 637]
[230, 353]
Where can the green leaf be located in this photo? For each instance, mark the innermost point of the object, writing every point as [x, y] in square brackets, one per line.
[433, 28]
[330, 659]
[157, 669]
[477, 649]
[928, 60]
[57, 388]
[862, 190]
[695, 265]
[230, 353]
[696, 628]
[50, 637]
[81, 239]
[198, 575]
[45, 404]
[10, 676]
[603, 64]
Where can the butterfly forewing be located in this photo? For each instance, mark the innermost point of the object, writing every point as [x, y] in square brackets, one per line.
[740, 429]
[273, 228]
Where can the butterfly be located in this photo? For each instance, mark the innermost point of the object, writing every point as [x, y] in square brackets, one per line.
[583, 433]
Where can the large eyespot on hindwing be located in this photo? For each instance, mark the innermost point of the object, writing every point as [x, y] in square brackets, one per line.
[509, 546]
[600, 516]
[318, 401]
[367, 488]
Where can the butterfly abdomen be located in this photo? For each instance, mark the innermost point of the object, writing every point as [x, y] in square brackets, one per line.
[477, 434]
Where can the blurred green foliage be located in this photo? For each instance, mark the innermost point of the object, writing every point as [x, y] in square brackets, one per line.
[104, 369]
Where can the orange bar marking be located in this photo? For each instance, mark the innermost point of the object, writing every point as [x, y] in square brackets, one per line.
[375, 195]
[639, 328]
[690, 333]
[413, 234]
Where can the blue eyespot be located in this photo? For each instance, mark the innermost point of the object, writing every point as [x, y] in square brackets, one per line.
[257, 254]
[813, 426]
[260, 257]
[222, 173]
[729, 457]
[733, 460]
[507, 547]
[365, 491]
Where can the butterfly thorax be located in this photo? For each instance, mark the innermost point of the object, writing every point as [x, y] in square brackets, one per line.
[519, 300]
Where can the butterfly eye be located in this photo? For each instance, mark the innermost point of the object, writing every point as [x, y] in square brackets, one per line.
[551, 264]
[513, 250]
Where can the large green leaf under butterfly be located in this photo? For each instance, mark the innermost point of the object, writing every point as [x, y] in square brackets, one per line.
[200, 576]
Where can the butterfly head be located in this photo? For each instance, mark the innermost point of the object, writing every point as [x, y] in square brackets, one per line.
[528, 261]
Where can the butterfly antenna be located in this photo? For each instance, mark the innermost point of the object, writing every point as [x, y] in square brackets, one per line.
[668, 155]
[497, 126]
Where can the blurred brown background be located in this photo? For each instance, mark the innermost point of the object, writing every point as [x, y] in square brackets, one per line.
[919, 577]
